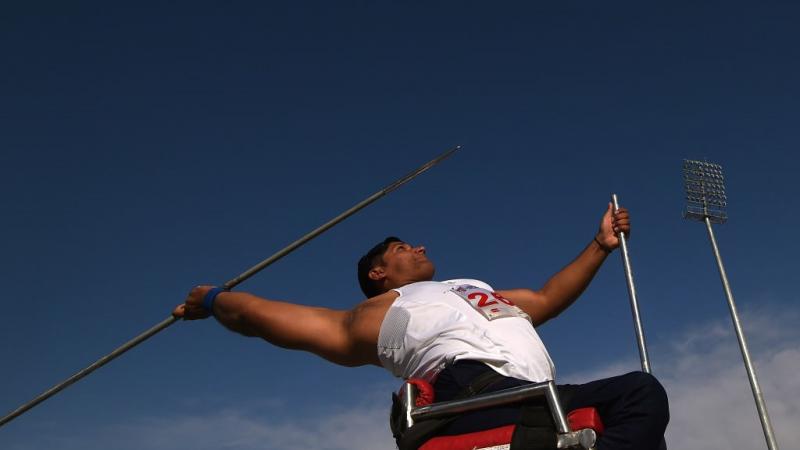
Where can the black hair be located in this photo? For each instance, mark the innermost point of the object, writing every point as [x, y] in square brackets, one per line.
[373, 257]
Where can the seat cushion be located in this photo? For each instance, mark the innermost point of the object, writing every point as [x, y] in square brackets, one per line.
[469, 441]
[579, 419]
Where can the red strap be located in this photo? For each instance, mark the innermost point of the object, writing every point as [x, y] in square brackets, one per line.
[469, 441]
[425, 395]
[585, 418]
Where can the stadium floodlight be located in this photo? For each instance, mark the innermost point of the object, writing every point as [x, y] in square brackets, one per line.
[707, 202]
[705, 191]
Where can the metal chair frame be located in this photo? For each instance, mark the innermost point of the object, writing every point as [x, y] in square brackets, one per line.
[582, 439]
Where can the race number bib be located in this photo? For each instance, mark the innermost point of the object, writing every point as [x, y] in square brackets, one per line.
[490, 304]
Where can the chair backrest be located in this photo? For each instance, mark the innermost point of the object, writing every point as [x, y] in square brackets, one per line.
[414, 413]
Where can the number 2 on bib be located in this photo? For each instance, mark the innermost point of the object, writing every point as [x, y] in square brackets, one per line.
[490, 305]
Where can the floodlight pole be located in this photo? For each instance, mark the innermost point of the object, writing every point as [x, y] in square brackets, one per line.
[705, 192]
[758, 395]
[637, 321]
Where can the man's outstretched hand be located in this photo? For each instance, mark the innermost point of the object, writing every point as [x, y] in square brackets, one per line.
[192, 308]
[610, 225]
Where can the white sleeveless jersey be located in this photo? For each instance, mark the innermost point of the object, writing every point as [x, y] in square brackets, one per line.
[434, 324]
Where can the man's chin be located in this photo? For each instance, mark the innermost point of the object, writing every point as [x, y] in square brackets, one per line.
[430, 271]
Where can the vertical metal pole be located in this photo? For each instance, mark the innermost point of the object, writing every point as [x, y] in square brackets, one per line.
[410, 401]
[769, 434]
[562, 426]
[637, 321]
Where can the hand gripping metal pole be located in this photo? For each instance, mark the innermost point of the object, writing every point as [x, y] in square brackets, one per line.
[637, 321]
[229, 285]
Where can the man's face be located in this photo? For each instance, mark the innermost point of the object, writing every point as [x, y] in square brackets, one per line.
[404, 264]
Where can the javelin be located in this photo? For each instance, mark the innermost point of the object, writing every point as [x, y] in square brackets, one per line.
[229, 285]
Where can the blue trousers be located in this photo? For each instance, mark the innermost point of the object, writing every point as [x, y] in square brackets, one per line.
[633, 407]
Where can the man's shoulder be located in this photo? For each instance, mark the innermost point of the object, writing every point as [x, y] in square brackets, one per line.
[379, 301]
[365, 318]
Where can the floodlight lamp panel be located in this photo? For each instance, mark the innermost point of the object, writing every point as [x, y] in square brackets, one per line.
[705, 191]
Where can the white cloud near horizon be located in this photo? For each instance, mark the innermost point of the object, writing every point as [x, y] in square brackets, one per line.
[710, 401]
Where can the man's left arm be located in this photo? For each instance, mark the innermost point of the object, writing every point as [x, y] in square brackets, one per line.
[563, 288]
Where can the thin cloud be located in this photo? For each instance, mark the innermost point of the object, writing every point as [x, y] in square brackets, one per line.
[710, 401]
[364, 426]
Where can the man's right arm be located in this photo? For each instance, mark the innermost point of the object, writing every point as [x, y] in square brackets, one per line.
[328, 333]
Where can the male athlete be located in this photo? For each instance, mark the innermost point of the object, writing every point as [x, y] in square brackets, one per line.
[451, 333]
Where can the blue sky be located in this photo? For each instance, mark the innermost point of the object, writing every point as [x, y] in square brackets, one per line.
[153, 147]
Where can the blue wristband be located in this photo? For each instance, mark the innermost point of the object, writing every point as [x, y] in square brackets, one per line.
[210, 297]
